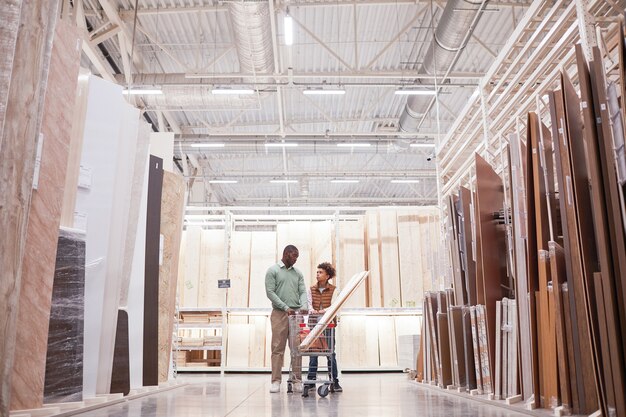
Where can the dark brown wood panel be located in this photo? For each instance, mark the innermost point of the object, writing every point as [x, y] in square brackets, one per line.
[120, 377]
[465, 242]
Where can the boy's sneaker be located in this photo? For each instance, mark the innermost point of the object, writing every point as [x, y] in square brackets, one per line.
[337, 387]
[275, 387]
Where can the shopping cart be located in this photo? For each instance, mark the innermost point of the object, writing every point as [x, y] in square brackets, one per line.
[300, 325]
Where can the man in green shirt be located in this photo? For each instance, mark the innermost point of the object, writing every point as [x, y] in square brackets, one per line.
[284, 286]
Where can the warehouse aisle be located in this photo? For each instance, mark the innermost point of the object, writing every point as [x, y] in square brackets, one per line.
[364, 395]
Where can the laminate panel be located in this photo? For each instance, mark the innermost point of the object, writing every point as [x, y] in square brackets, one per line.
[191, 279]
[297, 234]
[468, 344]
[390, 271]
[547, 350]
[172, 210]
[351, 258]
[465, 242]
[373, 265]
[490, 200]
[452, 236]
[452, 337]
[410, 247]
[263, 255]
[322, 243]
[444, 350]
[211, 269]
[570, 347]
[239, 269]
[431, 312]
[387, 341]
[475, 345]
[18, 142]
[120, 379]
[151, 276]
[456, 316]
[64, 358]
[10, 12]
[43, 224]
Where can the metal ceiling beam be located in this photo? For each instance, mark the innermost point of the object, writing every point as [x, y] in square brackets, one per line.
[372, 201]
[307, 137]
[400, 174]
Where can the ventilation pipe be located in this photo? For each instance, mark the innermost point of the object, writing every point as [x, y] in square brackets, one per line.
[200, 97]
[253, 36]
[453, 28]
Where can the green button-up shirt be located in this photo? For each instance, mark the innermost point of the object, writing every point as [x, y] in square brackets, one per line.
[285, 287]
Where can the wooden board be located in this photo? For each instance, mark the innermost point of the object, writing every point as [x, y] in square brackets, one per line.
[490, 199]
[239, 269]
[465, 242]
[387, 341]
[424, 230]
[570, 347]
[262, 256]
[513, 388]
[351, 258]
[452, 337]
[389, 267]
[444, 350]
[211, 269]
[353, 337]
[373, 265]
[452, 236]
[191, 279]
[410, 247]
[256, 354]
[238, 344]
[456, 315]
[547, 350]
[322, 243]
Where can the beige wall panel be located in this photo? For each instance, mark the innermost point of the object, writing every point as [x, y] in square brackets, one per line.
[321, 246]
[387, 341]
[239, 269]
[298, 234]
[410, 246]
[390, 267]
[192, 266]
[172, 206]
[43, 224]
[211, 269]
[374, 286]
[351, 259]
[238, 345]
[263, 255]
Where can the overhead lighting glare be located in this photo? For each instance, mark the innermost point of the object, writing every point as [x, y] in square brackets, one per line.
[284, 181]
[345, 181]
[145, 92]
[232, 91]
[281, 145]
[208, 145]
[319, 91]
[223, 181]
[422, 145]
[354, 145]
[288, 26]
[404, 181]
[412, 92]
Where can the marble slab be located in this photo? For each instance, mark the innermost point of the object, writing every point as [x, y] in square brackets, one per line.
[10, 12]
[18, 144]
[172, 208]
[120, 375]
[43, 224]
[151, 278]
[64, 359]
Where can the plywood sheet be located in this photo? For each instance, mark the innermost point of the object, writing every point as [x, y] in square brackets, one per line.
[263, 255]
[258, 328]
[387, 341]
[322, 243]
[239, 269]
[389, 266]
[410, 247]
[212, 268]
[375, 294]
[352, 335]
[351, 258]
[191, 279]
[238, 345]
[465, 243]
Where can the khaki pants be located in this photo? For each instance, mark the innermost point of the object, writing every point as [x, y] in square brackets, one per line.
[280, 336]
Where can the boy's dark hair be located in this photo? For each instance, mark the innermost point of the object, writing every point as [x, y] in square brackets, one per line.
[330, 270]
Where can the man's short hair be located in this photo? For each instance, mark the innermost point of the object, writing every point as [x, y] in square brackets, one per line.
[290, 248]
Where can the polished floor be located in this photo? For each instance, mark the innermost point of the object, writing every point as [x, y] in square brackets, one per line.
[247, 395]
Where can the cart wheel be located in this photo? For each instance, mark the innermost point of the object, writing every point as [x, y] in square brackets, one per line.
[289, 388]
[323, 390]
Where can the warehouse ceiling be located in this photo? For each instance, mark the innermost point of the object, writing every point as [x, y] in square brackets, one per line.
[368, 146]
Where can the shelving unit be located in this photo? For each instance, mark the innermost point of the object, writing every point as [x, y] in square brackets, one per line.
[194, 325]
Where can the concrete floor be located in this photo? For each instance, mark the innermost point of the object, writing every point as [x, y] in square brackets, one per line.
[246, 395]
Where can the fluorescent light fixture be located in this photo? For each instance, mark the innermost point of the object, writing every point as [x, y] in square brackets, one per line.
[345, 181]
[354, 145]
[320, 91]
[223, 181]
[288, 26]
[232, 91]
[404, 181]
[284, 181]
[422, 145]
[208, 145]
[281, 145]
[145, 92]
[413, 92]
